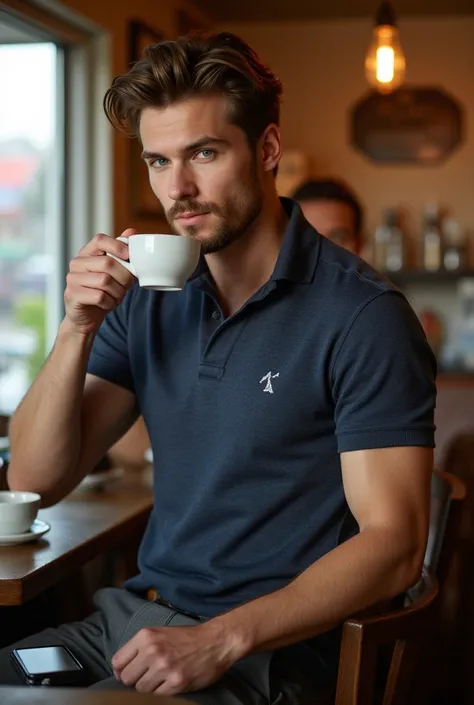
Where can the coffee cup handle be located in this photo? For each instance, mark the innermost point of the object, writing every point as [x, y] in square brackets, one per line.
[125, 264]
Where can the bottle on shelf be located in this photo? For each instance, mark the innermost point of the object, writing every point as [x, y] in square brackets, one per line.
[389, 246]
[454, 239]
[460, 354]
[432, 243]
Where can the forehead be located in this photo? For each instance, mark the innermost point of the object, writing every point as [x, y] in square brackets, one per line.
[329, 215]
[184, 122]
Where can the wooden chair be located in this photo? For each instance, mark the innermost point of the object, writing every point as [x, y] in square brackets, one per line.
[446, 557]
[448, 494]
[404, 631]
[363, 642]
[452, 676]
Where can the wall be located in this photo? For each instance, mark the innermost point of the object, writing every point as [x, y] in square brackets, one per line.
[114, 17]
[322, 67]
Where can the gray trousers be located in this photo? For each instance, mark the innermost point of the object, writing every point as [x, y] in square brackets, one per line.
[288, 676]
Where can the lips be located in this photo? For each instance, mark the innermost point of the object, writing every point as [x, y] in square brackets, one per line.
[185, 216]
[190, 218]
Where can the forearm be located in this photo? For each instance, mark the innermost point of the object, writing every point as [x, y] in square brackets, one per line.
[45, 431]
[361, 572]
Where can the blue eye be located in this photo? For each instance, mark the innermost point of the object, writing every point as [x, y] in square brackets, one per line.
[207, 153]
[158, 163]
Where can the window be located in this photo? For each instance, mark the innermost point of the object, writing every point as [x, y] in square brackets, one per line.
[30, 253]
[49, 202]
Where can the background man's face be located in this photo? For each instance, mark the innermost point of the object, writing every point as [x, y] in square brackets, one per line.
[333, 219]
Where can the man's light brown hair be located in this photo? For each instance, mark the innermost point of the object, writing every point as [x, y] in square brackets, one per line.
[197, 65]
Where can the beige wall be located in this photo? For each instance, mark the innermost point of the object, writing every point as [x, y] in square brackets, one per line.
[321, 66]
[114, 16]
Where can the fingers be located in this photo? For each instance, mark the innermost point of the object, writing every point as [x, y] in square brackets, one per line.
[80, 297]
[100, 281]
[133, 672]
[173, 684]
[96, 284]
[102, 244]
[125, 655]
[128, 232]
[104, 265]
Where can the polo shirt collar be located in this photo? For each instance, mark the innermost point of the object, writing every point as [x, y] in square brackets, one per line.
[298, 254]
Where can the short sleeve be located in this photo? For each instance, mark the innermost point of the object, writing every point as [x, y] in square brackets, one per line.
[384, 379]
[110, 357]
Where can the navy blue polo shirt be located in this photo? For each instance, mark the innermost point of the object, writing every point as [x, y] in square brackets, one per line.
[247, 415]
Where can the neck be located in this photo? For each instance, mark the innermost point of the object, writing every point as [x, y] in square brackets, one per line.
[244, 266]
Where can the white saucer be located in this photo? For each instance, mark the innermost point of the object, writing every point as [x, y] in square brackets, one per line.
[37, 529]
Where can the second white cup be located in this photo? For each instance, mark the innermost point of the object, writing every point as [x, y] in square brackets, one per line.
[18, 511]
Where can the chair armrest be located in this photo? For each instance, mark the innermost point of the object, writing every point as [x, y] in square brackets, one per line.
[363, 638]
[398, 624]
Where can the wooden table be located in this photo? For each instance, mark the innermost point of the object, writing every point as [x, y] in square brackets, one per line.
[83, 525]
[81, 696]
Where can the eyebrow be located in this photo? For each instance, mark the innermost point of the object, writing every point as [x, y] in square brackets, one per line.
[199, 144]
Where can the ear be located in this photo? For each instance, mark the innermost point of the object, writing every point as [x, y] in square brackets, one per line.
[270, 147]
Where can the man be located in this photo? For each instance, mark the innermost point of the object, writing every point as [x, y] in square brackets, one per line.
[288, 391]
[333, 210]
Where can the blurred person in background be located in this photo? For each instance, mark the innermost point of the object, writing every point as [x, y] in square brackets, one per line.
[333, 210]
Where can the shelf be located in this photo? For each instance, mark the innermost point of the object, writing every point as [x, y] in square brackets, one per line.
[420, 276]
[455, 379]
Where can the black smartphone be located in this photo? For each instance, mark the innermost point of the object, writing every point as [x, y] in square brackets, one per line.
[48, 665]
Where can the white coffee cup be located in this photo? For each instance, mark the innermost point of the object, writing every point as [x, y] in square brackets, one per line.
[161, 262]
[18, 510]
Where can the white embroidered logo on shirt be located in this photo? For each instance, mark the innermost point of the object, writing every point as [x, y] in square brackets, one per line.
[268, 378]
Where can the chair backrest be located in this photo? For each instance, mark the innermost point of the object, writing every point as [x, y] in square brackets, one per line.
[448, 493]
[450, 661]
[401, 632]
[459, 461]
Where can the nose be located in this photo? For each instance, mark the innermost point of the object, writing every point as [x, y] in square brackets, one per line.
[181, 184]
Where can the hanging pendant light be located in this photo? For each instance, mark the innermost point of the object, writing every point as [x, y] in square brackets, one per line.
[385, 61]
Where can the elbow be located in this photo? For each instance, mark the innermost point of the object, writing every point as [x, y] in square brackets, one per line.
[413, 570]
[415, 555]
[18, 484]
[409, 568]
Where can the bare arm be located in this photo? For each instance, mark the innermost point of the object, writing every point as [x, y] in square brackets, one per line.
[68, 420]
[74, 426]
[388, 492]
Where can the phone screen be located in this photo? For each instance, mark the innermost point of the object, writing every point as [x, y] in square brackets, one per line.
[47, 659]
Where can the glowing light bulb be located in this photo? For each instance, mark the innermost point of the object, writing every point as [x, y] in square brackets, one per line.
[385, 62]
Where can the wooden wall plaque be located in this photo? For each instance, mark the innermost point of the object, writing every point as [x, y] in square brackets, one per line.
[412, 125]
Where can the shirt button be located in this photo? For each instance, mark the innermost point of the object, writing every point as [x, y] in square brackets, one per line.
[216, 315]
